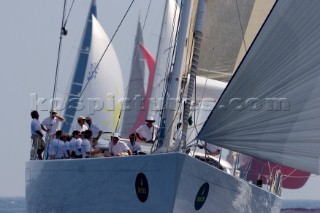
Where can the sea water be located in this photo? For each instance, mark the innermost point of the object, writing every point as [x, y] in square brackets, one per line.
[18, 205]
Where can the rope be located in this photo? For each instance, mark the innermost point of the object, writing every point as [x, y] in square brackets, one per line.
[63, 32]
[145, 19]
[241, 27]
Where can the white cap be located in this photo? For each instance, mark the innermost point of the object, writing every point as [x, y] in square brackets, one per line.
[150, 119]
[115, 135]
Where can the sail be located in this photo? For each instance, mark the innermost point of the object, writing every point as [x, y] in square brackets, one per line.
[102, 88]
[79, 73]
[207, 94]
[135, 91]
[223, 33]
[253, 169]
[271, 107]
[164, 57]
[148, 57]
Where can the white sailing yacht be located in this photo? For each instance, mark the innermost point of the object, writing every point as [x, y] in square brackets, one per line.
[281, 64]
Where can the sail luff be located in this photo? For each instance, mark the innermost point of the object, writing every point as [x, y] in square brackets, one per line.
[271, 107]
[164, 57]
[80, 70]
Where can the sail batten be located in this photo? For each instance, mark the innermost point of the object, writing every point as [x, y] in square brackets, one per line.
[271, 107]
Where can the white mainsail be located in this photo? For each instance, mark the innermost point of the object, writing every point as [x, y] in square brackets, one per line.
[164, 56]
[271, 107]
[104, 89]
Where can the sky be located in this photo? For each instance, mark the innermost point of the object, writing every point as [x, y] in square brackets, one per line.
[29, 46]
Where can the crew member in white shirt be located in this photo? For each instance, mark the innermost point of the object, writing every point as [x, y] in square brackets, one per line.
[53, 146]
[96, 131]
[117, 147]
[36, 136]
[86, 148]
[134, 147]
[51, 124]
[148, 131]
[80, 125]
[75, 144]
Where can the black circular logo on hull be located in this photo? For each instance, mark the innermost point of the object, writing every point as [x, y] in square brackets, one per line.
[201, 196]
[142, 188]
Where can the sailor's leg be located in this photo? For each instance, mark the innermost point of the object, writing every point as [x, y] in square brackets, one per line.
[40, 147]
[33, 149]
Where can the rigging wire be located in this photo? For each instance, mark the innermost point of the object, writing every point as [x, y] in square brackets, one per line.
[65, 23]
[63, 32]
[114, 34]
[241, 27]
[173, 40]
[59, 53]
[145, 19]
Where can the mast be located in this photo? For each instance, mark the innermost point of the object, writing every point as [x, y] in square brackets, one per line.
[198, 32]
[79, 74]
[175, 78]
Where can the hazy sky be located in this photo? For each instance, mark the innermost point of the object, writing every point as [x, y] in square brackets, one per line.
[29, 44]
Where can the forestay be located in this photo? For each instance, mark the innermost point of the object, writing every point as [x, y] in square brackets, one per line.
[271, 107]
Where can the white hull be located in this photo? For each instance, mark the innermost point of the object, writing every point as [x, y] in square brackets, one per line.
[109, 185]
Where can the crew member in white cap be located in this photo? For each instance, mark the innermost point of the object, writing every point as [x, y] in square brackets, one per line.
[80, 125]
[148, 131]
[96, 131]
[117, 147]
[51, 124]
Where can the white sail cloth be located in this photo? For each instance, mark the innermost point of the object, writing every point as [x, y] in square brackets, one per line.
[271, 107]
[104, 89]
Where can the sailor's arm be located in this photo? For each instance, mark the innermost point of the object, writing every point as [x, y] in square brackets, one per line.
[43, 128]
[59, 117]
[140, 137]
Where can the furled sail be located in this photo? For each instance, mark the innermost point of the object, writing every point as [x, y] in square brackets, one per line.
[271, 107]
[102, 86]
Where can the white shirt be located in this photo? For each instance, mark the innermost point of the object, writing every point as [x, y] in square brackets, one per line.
[135, 147]
[53, 145]
[75, 145]
[58, 148]
[52, 124]
[148, 133]
[61, 150]
[35, 125]
[77, 126]
[119, 147]
[86, 147]
[95, 130]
